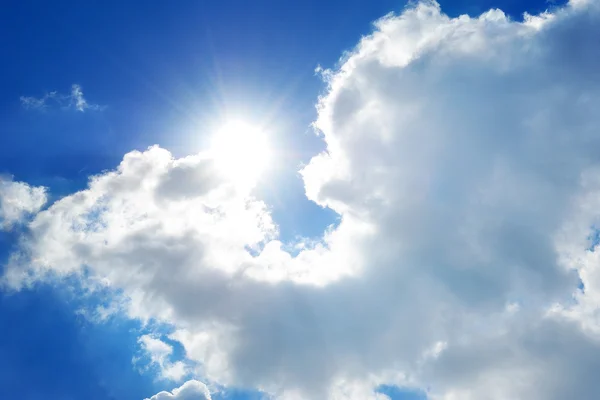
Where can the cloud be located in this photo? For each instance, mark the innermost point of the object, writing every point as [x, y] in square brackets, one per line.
[160, 354]
[540, 359]
[17, 201]
[71, 101]
[191, 390]
[462, 159]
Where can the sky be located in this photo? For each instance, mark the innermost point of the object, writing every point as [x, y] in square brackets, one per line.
[340, 200]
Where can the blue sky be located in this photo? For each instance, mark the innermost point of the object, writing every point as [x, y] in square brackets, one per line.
[160, 74]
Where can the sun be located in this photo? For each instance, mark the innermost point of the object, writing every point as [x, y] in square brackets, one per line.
[241, 151]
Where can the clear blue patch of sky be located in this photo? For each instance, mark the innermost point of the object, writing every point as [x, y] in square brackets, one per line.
[398, 393]
[47, 351]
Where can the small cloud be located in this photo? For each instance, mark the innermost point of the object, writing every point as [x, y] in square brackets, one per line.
[190, 390]
[160, 353]
[17, 201]
[72, 101]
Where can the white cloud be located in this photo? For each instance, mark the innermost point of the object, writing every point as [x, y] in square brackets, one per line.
[160, 354]
[191, 390]
[74, 100]
[462, 158]
[17, 201]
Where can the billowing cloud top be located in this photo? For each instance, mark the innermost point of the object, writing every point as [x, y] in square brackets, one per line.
[191, 390]
[462, 157]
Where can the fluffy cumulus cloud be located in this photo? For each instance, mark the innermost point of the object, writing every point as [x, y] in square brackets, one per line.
[191, 390]
[462, 157]
[72, 101]
[17, 201]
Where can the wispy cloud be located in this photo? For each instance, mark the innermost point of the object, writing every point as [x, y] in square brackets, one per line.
[159, 354]
[72, 101]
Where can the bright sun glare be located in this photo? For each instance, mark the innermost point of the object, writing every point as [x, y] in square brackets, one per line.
[241, 151]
